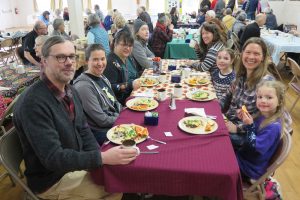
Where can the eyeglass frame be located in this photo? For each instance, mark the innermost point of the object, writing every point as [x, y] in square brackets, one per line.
[60, 57]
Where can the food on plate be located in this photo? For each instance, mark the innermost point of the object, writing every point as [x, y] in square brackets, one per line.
[149, 81]
[200, 95]
[143, 104]
[125, 132]
[193, 123]
[197, 81]
[244, 109]
[209, 125]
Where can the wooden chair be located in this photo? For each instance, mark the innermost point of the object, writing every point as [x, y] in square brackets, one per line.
[6, 51]
[256, 190]
[295, 81]
[11, 156]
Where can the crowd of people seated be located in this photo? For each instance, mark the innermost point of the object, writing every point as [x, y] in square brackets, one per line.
[60, 126]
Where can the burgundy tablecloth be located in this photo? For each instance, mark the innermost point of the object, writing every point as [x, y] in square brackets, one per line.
[186, 165]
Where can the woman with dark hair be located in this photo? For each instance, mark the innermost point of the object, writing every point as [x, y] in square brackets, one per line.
[174, 16]
[45, 17]
[205, 3]
[211, 42]
[98, 100]
[121, 70]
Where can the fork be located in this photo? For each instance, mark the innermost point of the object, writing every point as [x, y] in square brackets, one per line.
[156, 140]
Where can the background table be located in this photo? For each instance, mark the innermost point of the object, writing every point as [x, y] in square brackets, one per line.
[284, 42]
[179, 49]
[14, 81]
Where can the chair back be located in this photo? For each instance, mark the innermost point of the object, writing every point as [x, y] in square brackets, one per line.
[11, 156]
[280, 155]
[6, 43]
[294, 67]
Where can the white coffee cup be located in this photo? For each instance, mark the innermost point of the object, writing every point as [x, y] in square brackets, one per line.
[162, 94]
[193, 43]
[162, 77]
[130, 144]
[186, 72]
[177, 90]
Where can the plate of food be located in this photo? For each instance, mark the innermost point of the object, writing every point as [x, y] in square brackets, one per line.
[142, 104]
[149, 81]
[198, 125]
[201, 95]
[197, 80]
[127, 131]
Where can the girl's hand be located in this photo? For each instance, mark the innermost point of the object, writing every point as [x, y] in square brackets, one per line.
[232, 128]
[247, 118]
[239, 113]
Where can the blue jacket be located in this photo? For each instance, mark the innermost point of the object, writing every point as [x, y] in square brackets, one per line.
[100, 37]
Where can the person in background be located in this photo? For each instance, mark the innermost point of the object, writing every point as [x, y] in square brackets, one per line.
[210, 14]
[262, 131]
[205, 3]
[253, 30]
[108, 21]
[250, 9]
[27, 52]
[99, 13]
[97, 34]
[193, 15]
[174, 16]
[239, 24]
[144, 16]
[251, 69]
[59, 29]
[39, 41]
[88, 12]
[271, 21]
[58, 146]
[211, 42]
[100, 105]
[218, 8]
[121, 70]
[119, 24]
[228, 19]
[201, 15]
[57, 13]
[161, 36]
[262, 5]
[224, 75]
[45, 17]
[213, 4]
[141, 52]
[231, 4]
[66, 14]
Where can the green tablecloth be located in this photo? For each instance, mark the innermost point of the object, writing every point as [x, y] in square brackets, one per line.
[178, 49]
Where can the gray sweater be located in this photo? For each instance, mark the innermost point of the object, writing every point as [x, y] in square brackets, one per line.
[52, 144]
[141, 53]
[100, 111]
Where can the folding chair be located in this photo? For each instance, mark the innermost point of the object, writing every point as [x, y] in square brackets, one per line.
[11, 156]
[8, 113]
[6, 51]
[256, 190]
[295, 81]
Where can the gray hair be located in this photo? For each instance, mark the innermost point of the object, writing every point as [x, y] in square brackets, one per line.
[41, 39]
[211, 13]
[51, 41]
[93, 19]
[56, 23]
[38, 24]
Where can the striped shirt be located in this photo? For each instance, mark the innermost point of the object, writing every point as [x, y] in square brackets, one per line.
[209, 62]
[222, 82]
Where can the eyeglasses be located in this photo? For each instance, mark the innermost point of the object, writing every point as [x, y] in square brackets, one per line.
[63, 58]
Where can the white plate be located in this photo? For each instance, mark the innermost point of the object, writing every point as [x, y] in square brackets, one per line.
[190, 95]
[149, 82]
[194, 81]
[200, 130]
[134, 103]
[113, 137]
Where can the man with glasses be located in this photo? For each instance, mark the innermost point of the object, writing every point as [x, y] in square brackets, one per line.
[57, 143]
[27, 52]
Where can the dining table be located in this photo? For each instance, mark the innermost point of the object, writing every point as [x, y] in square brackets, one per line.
[188, 164]
[279, 42]
[12, 81]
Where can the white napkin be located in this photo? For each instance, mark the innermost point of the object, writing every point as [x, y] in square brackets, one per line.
[4, 88]
[195, 111]
[34, 70]
[144, 94]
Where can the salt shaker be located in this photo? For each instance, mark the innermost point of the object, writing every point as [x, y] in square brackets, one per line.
[172, 103]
